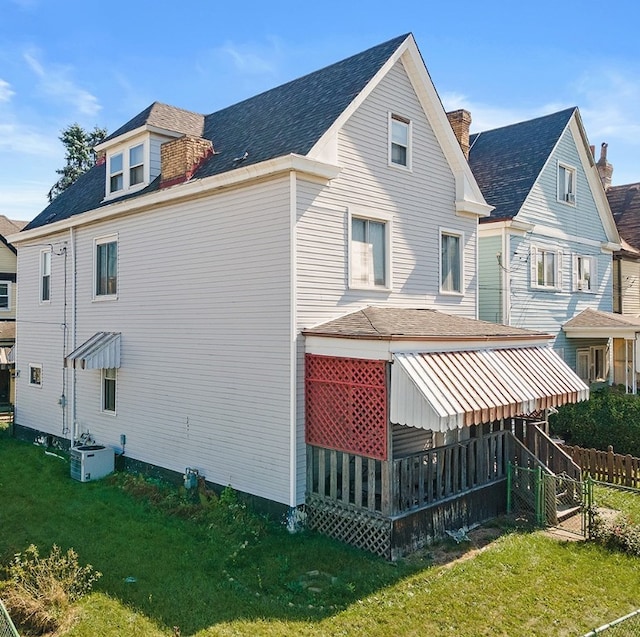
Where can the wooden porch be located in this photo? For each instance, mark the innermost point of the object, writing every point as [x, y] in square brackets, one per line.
[394, 506]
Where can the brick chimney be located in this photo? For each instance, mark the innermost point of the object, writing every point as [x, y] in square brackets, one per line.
[605, 169]
[181, 157]
[460, 121]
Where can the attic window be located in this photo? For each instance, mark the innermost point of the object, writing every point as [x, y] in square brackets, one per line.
[127, 169]
[566, 184]
[115, 173]
[399, 141]
[136, 165]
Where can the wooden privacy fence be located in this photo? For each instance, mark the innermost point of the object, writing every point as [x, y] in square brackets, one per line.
[607, 466]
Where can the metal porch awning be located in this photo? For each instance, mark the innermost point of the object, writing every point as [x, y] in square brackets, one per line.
[101, 351]
[447, 390]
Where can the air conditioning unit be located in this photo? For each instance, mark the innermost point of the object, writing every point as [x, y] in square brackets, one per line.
[90, 462]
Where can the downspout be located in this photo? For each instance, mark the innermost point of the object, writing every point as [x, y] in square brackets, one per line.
[293, 353]
[73, 335]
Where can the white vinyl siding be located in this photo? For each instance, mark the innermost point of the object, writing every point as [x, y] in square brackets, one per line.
[627, 286]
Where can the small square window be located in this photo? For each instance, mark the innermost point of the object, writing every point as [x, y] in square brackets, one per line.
[566, 184]
[35, 375]
[109, 390]
[399, 141]
[450, 262]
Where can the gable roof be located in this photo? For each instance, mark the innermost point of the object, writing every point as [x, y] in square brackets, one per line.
[506, 161]
[285, 120]
[624, 202]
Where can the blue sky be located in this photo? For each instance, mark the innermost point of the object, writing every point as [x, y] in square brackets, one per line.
[65, 61]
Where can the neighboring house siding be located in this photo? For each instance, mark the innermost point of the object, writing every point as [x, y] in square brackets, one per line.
[7, 259]
[630, 286]
[419, 202]
[490, 279]
[204, 310]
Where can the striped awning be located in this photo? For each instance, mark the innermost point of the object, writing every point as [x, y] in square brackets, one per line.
[447, 390]
[6, 357]
[101, 351]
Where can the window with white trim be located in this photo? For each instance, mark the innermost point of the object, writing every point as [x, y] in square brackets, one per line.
[109, 377]
[5, 296]
[399, 141]
[106, 267]
[127, 169]
[35, 375]
[45, 276]
[368, 265]
[450, 262]
[566, 183]
[592, 364]
[546, 268]
[584, 273]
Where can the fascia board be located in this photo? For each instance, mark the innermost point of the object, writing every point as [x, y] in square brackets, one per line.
[189, 190]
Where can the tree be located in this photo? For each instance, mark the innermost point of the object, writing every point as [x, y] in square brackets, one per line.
[79, 155]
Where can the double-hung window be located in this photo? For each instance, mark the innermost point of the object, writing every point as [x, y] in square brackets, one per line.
[5, 299]
[45, 276]
[116, 173]
[546, 268]
[399, 141]
[109, 390]
[450, 262]
[368, 264]
[566, 183]
[584, 273]
[106, 267]
[136, 165]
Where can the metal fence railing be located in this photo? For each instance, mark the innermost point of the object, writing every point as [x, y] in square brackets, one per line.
[7, 629]
[627, 626]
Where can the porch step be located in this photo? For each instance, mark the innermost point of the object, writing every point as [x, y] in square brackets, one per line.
[567, 511]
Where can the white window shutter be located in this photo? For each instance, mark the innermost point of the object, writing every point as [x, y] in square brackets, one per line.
[533, 263]
[593, 285]
[575, 272]
[559, 269]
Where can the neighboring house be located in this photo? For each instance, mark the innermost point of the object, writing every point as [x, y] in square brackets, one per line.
[8, 269]
[264, 294]
[545, 252]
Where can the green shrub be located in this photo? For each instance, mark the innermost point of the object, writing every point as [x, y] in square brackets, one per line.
[609, 417]
[618, 533]
[40, 590]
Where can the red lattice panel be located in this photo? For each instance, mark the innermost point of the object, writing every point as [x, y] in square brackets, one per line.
[346, 405]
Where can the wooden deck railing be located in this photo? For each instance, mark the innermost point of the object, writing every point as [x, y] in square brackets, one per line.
[550, 453]
[607, 466]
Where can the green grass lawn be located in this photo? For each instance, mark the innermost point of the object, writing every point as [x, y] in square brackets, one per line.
[216, 576]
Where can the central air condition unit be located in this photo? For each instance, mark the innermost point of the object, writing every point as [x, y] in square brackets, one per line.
[90, 462]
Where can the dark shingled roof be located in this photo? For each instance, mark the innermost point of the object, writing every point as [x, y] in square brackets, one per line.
[624, 202]
[391, 322]
[288, 119]
[507, 161]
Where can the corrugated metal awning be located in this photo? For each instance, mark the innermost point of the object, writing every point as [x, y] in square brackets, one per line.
[447, 390]
[101, 351]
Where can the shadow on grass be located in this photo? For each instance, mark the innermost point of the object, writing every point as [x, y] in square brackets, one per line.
[172, 569]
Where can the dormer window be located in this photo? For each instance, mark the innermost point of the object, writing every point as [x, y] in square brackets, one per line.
[127, 169]
[115, 173]
[136, 165]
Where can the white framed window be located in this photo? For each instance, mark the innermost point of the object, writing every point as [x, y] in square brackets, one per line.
[566, 183]
[451, 270]
[116, 173]
[106, 267]
[592, 364]
[35, 374]
[109, 379]
[584, 273]
[583, 359]
[399, 141]
[136, 165]
[5, 296]
[45, 276]
[128, 169]
[369, 251]
[546, 268]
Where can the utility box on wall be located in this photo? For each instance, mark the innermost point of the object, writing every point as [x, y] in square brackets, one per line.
[90, 462]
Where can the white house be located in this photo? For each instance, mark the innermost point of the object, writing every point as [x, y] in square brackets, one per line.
[190, 268]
